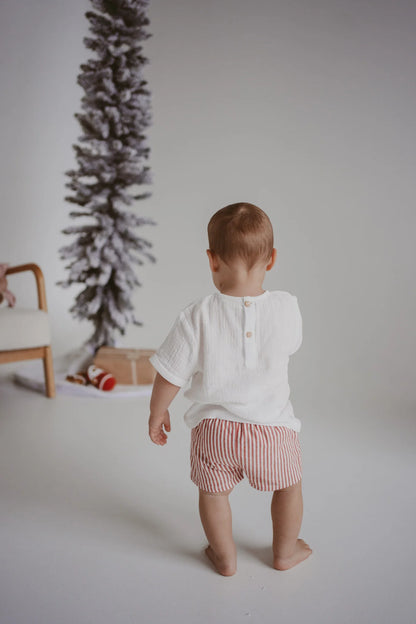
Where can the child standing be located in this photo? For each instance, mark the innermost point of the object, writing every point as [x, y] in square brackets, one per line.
[233, 346]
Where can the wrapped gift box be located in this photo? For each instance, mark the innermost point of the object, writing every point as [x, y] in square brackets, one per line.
[129, 366]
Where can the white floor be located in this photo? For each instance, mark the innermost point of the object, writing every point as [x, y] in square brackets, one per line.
[98, 526]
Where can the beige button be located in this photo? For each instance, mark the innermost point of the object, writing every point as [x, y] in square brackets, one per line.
[249, 334]
[247, 303]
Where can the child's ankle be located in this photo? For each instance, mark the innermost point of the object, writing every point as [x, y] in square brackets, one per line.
[225, 565]
[300, 552]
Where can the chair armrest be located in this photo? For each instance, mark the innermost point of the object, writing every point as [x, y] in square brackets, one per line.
[40, 281]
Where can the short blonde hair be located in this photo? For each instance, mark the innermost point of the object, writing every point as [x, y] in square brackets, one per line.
[241, 231]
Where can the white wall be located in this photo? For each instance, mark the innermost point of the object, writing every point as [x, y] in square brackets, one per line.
[304, 107]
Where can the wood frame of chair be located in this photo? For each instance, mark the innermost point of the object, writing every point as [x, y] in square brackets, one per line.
[44, 352]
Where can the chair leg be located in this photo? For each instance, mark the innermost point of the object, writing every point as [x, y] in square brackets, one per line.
[48, 370]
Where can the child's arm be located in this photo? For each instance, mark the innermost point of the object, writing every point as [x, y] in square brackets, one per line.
[162, 396]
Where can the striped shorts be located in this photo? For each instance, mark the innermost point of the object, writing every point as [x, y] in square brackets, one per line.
[223, 451]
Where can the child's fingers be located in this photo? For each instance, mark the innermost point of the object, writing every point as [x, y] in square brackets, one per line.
[157, 427]
[158, 436]
[167, 422]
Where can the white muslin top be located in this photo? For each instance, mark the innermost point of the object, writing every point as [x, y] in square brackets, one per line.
[234, 354]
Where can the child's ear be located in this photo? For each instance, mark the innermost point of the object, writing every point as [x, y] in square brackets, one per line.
[272, 260]
[213, 264]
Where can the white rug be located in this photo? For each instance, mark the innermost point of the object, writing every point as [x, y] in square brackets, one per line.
[31, 376]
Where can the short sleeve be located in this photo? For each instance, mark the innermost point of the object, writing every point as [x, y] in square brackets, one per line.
[296, 326]
[176, 357]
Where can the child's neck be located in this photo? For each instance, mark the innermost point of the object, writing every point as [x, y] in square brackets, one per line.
[242, 287]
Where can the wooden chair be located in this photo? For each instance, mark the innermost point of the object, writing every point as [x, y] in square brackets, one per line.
[25, 333]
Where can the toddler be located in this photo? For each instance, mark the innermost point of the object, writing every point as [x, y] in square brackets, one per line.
[233, 346]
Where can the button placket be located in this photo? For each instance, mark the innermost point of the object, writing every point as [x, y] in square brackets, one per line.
[250, 350]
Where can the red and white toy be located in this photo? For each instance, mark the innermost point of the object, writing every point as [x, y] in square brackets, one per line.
[100, 378]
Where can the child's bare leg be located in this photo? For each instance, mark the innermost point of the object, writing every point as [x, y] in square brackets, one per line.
[287, 511]
[215, 512]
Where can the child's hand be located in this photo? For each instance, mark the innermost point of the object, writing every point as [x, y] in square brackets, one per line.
[156, 424]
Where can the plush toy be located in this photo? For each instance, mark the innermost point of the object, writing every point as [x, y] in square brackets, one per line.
[4, 292]
[101, 379]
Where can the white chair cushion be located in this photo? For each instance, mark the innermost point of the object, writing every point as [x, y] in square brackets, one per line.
[22, 328]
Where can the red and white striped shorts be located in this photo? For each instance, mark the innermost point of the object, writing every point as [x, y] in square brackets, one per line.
[222, 451]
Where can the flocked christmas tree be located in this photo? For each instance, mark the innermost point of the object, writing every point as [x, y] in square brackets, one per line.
[111, 155]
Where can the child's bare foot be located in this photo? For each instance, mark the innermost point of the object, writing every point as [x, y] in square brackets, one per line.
[302, 552]
[225, 568]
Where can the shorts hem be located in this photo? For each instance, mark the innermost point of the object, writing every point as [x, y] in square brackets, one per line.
[200, 486]
[276, 489]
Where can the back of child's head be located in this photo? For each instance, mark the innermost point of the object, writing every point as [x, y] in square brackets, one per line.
[241, 231]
